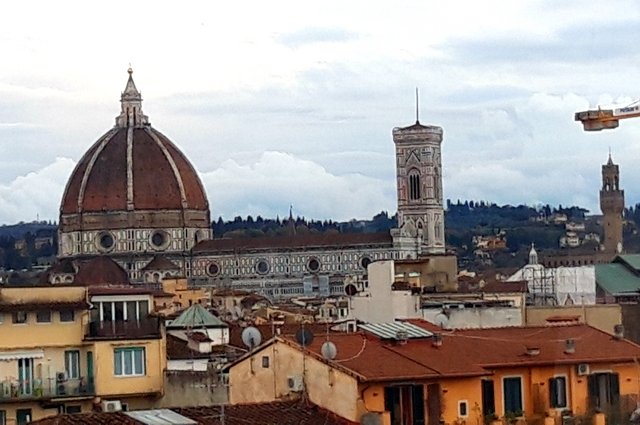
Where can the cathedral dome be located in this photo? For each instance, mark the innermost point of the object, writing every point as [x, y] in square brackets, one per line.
[136, 171]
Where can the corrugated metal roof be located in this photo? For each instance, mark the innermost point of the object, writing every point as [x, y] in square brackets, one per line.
[632, 260]
[390, 330]
[160, 417]
[616, 278]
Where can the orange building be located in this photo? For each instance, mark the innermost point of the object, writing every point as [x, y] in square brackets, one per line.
[404, 374]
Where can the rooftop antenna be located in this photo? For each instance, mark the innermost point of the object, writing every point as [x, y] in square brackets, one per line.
[417, 107]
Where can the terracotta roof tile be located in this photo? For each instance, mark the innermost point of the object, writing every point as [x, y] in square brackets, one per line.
[177, 349]
[296, 241]
[160, 262]
[100, 270]
[294, 412]
[471, 352]
[35, 306]
[155, 184]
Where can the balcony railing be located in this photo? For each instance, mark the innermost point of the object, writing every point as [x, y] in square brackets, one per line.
[12, 389]
[129, 329]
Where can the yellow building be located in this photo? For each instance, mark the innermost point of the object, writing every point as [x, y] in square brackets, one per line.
[395, 372]
[58, 355]
[176, 295]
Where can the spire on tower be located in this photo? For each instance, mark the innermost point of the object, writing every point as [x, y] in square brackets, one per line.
[131, 105]
[417, 107]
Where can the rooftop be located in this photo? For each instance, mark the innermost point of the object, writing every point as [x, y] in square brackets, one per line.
[472, 352]
[195, 317]
[308, 241]
[295, 412]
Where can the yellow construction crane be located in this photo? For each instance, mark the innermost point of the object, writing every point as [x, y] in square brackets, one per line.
[604, 119]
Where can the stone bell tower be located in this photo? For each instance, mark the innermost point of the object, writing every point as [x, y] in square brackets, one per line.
[419, 186]
[612, 206]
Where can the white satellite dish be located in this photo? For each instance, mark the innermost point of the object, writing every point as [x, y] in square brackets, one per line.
[251, 337]
[441, 320]
[329, 350]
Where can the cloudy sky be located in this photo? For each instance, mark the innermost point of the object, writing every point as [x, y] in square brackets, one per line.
[293, 102]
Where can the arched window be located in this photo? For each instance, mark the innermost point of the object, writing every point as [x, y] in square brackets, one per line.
[414, 185]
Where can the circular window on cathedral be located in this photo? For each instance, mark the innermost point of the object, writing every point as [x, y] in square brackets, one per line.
[313, 265]
[159, 239]
[365, 261]
[213, 269]
[106, 241]
[262, 266]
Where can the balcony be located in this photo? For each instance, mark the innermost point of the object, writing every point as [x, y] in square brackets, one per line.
[149, 328]
[12, 389]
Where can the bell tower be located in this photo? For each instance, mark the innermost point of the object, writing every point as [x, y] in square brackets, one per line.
[612, 206]
[419, 186]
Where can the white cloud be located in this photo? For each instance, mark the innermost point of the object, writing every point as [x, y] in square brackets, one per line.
[35, 195]
[326, 82]
[276, 180]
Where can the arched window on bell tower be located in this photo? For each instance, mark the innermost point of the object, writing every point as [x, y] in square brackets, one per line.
[414, 185]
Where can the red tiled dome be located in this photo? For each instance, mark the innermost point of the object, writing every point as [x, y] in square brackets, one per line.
[161, 176]
[133, 177]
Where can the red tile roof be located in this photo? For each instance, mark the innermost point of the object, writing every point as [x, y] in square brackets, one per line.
[296, 241]
[35, 306]
[160, 262]
[293, 412]
[159, 172]
[269, 331]
[178, 349]
[470, 352]
[371, 359]
[100, 270]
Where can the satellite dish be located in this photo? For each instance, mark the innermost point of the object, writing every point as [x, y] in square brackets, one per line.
[329, 350]
[350, 289]
[304, 337]
[251, 337]
[441, 320]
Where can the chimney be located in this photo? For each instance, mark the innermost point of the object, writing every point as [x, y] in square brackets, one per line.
[437, 340]
[570, 346]
[402, 337]
[618, 332]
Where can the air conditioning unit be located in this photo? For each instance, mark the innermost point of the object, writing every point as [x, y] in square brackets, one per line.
[61, 376]
[61, 389]
[582, 369]
[111, 406]
[295, 383]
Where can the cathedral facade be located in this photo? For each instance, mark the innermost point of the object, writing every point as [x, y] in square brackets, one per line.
[136, 198]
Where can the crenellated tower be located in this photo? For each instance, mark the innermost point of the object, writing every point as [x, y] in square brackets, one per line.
[612, 206]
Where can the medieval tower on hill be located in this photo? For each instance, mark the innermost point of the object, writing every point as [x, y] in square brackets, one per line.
[612, 206]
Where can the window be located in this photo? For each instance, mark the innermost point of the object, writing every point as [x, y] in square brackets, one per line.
[265, 362]
[463, 408]
[67, 316]
[19, 317]
[129, 361]
[604, 389]
[43, 316]
[414, 185]
[406, 404]
[558, 392]
[72, 364]
[73, 408]
[512, 388]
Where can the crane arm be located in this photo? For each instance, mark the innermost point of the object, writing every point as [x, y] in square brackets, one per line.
[604, 119]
